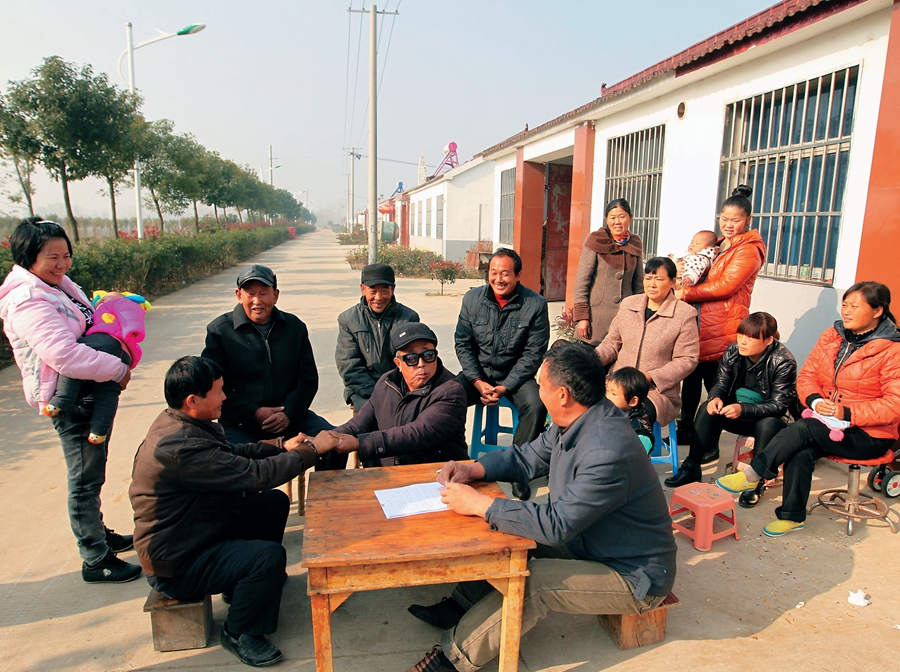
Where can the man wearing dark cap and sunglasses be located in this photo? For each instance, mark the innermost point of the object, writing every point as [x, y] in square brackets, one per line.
[363, 351]
[417, 411]
[270, 372]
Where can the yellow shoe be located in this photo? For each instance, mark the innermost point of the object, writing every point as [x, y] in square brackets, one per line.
[779, 528]
[736, 483]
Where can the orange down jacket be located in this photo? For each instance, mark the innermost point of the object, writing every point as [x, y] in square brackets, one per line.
[723, 300]
[867, 380]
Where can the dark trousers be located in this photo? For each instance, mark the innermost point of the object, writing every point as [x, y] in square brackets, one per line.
[798, 447]
[704, 374]
[527, 400]
[310, 424]
[106, 395]
[708, 428]
[250, 566]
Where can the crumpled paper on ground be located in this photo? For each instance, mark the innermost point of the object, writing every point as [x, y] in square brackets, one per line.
[858, 598]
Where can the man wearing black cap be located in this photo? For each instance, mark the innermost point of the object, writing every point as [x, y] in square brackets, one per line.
[363, 350]
[417, 411]
[270, 372]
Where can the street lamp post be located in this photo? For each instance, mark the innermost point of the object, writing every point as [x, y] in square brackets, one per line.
[191, 29]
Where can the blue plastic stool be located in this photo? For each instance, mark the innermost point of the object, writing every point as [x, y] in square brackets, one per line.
[486, 426]
[657, 455]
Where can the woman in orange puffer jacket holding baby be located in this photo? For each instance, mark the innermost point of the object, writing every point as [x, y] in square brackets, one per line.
[851, 381]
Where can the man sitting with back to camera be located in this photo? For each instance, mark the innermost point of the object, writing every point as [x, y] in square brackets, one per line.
[271, 377]
[363, 351]
[604, 538]
[206, 519]
[502, 333]
[417, 411]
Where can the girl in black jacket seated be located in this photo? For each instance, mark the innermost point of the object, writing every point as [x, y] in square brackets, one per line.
[755, 394]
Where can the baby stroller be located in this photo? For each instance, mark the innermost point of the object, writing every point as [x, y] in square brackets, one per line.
[886, 477]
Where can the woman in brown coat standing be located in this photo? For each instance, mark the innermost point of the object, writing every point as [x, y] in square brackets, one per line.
[609, 270]
[657, 334]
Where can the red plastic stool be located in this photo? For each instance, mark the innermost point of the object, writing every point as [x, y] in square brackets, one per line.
[849, 502]
[706, 502]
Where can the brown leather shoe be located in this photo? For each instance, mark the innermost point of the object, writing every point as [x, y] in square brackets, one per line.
[434, 661]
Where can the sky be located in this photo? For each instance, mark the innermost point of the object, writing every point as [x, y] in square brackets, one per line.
[294, 74]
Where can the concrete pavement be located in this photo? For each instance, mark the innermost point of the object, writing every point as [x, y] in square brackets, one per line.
[739, 601]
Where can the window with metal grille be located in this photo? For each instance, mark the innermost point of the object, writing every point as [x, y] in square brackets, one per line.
[507, 205]
[439, 217]
[420, 218]
[412, 218]
[634, 166]
[792, 146]
[428, 218]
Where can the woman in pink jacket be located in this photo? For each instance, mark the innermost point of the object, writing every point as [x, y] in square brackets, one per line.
[44, 314]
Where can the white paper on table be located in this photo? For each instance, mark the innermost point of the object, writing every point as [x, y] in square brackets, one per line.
[411, 500]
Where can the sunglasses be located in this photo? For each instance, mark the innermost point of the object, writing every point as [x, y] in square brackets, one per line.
[412, 359]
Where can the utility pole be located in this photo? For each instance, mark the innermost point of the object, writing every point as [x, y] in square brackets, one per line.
[271, 169]
[351, 208]
[373, 129]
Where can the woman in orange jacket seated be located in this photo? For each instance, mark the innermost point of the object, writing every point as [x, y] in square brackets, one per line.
[722, 301]
[851, 380]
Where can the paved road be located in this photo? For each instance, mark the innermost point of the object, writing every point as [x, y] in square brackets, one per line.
[738, 600]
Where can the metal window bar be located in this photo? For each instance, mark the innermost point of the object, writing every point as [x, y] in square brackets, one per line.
[634, 165]
[507, 205]
[421, 223]
[439, 218]
[428, 218]
[792, 146]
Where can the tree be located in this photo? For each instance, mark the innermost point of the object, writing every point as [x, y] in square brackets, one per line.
[71, 113]
[21, 148]
[445, 271]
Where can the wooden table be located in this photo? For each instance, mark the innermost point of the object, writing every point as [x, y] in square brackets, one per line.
[349, 545]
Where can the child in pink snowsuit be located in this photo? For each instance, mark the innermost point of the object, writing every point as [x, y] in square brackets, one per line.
[118, 330]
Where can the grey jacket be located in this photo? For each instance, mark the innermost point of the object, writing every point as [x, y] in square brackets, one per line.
[606, 503]
[502, 347]
[363, 351]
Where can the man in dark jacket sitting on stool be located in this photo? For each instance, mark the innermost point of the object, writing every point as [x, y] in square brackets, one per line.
[195, 532]
[271, 377]
[417, 411]
[502, 333]
[363, 351]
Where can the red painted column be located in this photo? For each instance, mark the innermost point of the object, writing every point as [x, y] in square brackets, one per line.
[529, 219]
[582, 191]
[881, 225]
[403, 204]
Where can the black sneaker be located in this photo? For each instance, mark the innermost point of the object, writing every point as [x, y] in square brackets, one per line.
[444, 615]
[253, 650]
[521, 491]
[110, 570]
[434, 661]
[118, 543]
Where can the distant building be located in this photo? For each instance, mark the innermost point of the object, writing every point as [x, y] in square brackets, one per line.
[800, 101]
[448, 214]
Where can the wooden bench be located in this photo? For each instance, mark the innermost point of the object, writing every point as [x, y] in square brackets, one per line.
[178, 625]
[629, 631]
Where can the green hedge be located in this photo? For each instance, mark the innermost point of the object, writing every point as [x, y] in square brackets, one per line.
[407, 262]
[157, 266]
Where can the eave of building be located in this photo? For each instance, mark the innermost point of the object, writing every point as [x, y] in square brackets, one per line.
[724, 50]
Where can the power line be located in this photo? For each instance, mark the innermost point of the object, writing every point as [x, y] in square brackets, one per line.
[356, 77]
[365, 133]
[347, 74]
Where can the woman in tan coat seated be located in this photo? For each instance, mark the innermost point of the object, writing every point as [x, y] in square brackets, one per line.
[657, 334]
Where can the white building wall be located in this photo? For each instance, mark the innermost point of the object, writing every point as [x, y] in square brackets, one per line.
[422, 196]
[694, 143]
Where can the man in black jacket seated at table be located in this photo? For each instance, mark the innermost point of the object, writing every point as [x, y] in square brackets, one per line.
[502, 333]
[197, 530]
[417, 411]
[270, 372]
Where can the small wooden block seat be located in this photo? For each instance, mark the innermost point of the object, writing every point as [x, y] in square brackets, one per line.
[178, 625]
[629, 631]
[706, 503]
